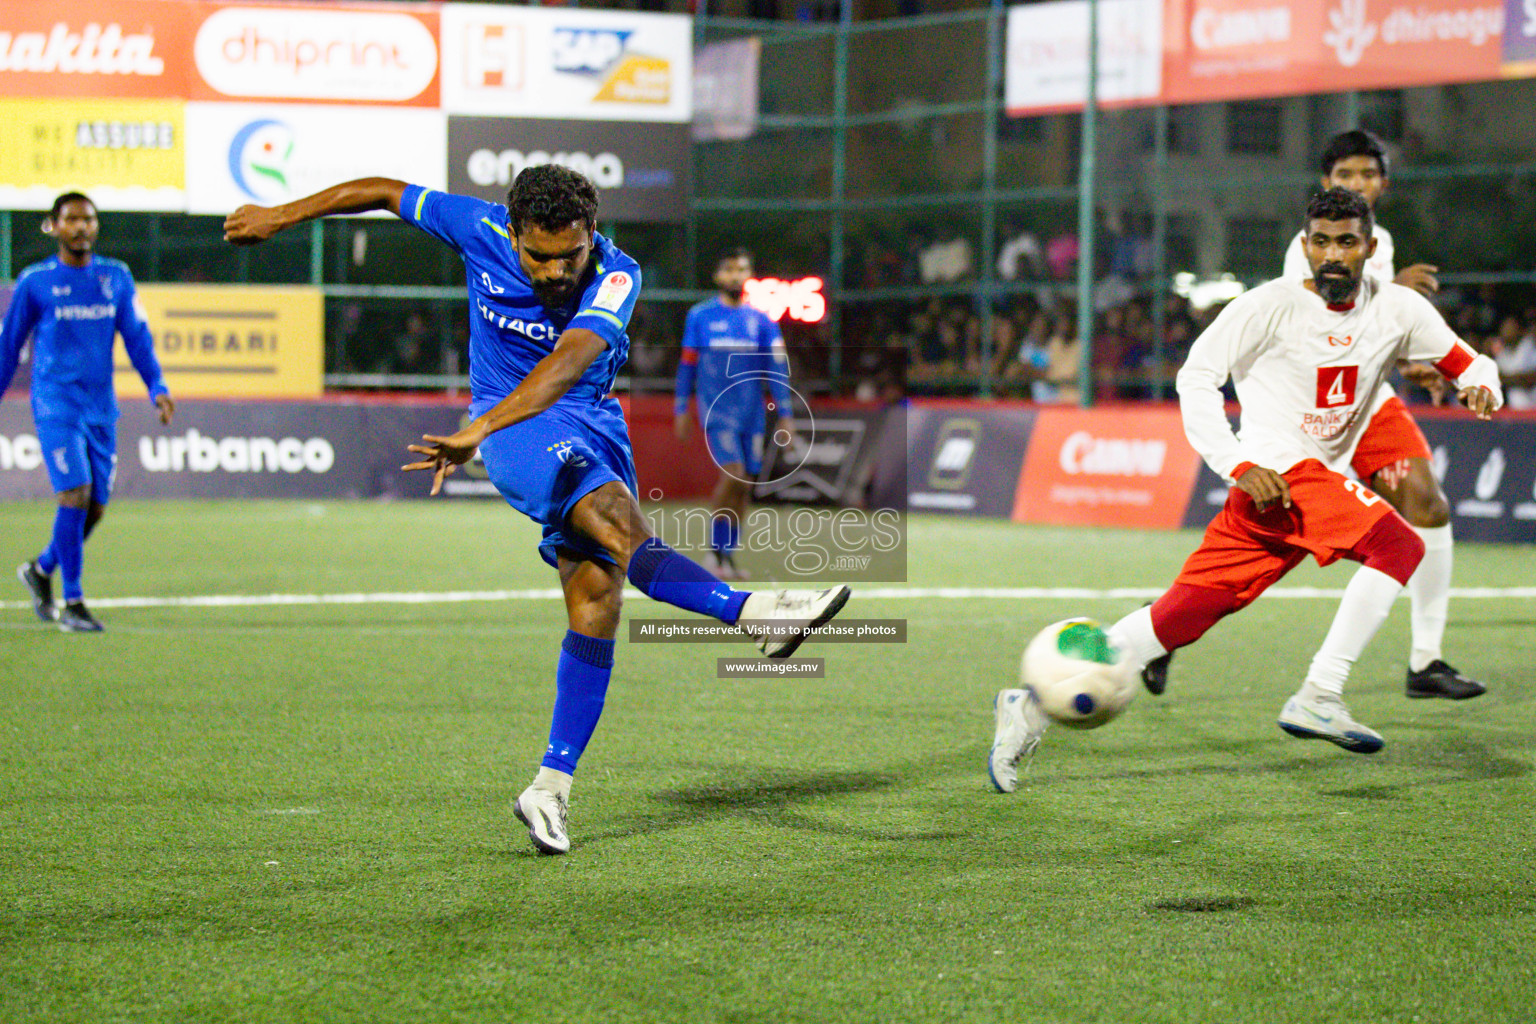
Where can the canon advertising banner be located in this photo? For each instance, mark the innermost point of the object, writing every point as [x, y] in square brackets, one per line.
[643, 171]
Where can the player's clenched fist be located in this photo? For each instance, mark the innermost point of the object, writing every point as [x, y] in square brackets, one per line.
[251, 224]
[1265, 487]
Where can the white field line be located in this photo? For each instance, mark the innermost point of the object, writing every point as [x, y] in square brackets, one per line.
[863, 593]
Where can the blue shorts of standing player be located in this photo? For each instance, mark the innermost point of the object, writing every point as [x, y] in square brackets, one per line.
[72, 307]
[549, 302]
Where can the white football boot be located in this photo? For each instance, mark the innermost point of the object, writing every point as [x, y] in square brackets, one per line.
[780, 620]
[1320, 716]
[1020, 724]
[544, 814]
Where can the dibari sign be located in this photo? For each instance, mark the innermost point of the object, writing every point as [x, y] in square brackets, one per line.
[258, 341]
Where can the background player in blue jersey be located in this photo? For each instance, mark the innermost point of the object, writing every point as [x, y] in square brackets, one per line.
[730, 351]
[550, 300]
[73, 306]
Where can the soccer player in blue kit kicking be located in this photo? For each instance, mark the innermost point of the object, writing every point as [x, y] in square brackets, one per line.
[73, 306]
[550, 300]
[730, 350]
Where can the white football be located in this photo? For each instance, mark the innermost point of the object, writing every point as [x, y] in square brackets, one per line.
[1077, 674]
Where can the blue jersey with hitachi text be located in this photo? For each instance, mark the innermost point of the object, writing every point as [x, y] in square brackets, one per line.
[729, 353]
[510, 330]
[73, 314]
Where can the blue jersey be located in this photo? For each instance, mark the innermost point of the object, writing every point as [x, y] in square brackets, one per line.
[73, 314]
[729, 352]
[510, 330]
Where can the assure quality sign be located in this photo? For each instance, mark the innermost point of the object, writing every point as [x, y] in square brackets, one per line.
[213, 341]
[126, 154]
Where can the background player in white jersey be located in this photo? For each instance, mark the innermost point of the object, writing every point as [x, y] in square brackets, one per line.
[730, 350]
[1393, 456]
[1306, 358]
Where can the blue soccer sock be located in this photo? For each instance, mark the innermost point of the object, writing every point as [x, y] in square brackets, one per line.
[720, 533]
[664, 575]
[69, 548]
[581, 683]
[48, 561]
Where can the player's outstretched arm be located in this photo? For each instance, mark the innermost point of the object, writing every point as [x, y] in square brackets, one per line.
[252, 224]
[550, 378]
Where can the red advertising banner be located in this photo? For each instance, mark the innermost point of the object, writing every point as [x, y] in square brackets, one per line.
[382, 55]
[1202, 51]
[106, 48]
[1236, 49]
[1107, 467]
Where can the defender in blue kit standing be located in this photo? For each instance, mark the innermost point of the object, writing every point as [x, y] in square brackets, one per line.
[549, 302]
[730, 352]
[73, 306]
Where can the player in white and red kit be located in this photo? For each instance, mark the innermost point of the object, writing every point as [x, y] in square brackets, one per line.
[1393, 456]
[1307, 358]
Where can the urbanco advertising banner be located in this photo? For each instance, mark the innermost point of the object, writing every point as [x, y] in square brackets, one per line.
[1237, 49]
[566, 63]
[964, 458]
[1047, 62]
[375, 54]
[107, 48]
[642, 171]
[126, 154]
[1107, 467]
[255, 341]
[212, 450]
[269, 154]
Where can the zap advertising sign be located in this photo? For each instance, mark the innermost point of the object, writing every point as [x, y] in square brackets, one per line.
[566, 63]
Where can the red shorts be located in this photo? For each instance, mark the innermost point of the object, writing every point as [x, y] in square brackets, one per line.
[1390, 438]
[1245, 550]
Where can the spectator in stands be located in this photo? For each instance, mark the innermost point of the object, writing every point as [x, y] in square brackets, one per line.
[1514, 349]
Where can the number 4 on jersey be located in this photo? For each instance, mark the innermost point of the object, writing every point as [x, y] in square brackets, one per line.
[1336, 386]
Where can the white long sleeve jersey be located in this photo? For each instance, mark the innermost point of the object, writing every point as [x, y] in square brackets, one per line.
[1306, 372]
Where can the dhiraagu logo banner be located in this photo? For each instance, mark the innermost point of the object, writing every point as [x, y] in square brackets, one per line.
[125, 154]
[267, 154]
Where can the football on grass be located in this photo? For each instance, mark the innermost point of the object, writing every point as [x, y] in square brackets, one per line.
[1078, 676]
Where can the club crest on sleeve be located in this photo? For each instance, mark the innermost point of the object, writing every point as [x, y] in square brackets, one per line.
[614, 291]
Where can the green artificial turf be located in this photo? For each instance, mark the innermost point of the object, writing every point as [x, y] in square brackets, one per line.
[302, 813]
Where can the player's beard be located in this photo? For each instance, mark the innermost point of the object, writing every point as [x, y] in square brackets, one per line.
[554, 294]
[1337, 288]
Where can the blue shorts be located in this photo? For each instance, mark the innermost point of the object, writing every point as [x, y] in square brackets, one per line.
[729, 443]
[78, 454]
[543, 466]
